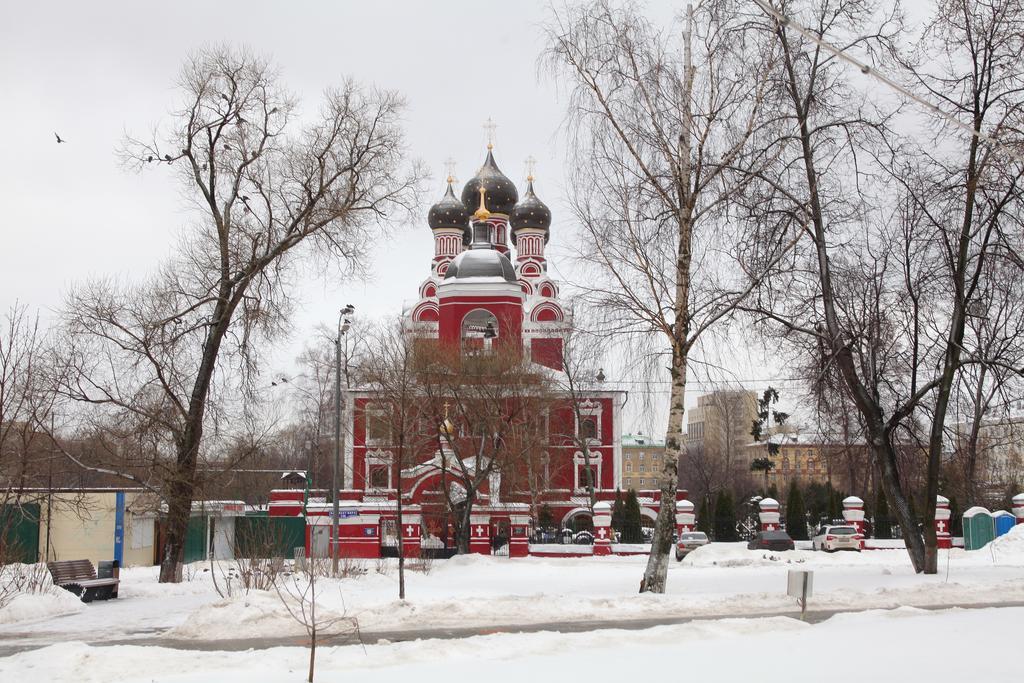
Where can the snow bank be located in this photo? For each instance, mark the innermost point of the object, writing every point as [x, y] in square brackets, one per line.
[258, 614]
[737, 555]
[1008, 548]
[35, 606]
[699, 650]
[481, 591]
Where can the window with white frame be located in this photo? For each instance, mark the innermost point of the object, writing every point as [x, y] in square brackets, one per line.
[379, 477]
[581, 464]
[588, 421]
[378, 427]
[378, 470]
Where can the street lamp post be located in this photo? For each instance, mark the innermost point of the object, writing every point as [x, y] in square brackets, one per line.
[343, 325]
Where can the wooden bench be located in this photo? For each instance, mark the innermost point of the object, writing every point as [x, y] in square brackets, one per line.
[79, 577]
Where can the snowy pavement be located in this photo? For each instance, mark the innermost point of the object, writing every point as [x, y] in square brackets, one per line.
[900, 645]
[475, 591]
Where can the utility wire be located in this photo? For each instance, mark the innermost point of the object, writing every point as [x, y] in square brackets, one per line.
[868, 70]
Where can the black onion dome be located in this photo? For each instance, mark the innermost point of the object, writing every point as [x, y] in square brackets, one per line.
[501, 192]
[530, 212]
[448, 213]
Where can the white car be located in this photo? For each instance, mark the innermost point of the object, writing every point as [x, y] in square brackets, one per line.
[832, 538]
[690, 540]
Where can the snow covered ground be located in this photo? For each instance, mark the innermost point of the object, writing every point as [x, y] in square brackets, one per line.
[719, 579]
[901, 645]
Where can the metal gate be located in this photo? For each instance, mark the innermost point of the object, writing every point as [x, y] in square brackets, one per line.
[499, 539]
[388, 538]
[319, 540]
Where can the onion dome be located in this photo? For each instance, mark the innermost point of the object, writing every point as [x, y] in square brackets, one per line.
[481, 262]
[531, 212]
[449, 212]
[501, 192]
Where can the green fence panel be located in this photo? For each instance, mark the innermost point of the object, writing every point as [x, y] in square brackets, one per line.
[195, 539]
[19, 533]
[259, 536]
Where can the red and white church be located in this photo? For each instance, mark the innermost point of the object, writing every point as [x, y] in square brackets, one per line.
[479, 293]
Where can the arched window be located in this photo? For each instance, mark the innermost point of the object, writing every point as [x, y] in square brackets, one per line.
[479, 330]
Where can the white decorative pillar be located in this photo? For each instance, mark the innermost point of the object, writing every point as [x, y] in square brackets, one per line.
[853, 514]
[685, 519]
[1018, 507]
[943, 537]
[602, 528]
[769, 514]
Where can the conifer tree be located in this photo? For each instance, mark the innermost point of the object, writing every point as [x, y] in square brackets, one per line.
[725, 517]
[631, 527]
[796, 514]
[545, 517]
[618, 512]
[704, 521]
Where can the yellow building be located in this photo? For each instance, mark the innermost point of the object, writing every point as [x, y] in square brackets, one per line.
[810, 460]
[642, 460]
[84, 524]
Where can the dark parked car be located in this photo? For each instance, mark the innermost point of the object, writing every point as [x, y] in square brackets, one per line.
[771, 540]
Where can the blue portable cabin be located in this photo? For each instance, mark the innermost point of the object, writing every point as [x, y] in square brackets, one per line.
[1004, 521]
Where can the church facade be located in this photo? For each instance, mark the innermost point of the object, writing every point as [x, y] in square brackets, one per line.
[488, 288]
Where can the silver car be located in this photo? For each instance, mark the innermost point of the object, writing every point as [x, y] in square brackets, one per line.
[690, 540]
[832, 538]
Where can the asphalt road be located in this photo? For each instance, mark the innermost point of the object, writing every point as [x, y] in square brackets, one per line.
[12, 643]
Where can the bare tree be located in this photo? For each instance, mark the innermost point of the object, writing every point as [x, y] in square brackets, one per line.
[580, 376]
[706, 473]
[881, 295]
[660, 138]
[391, 371]
[298, 595]
[265, 194]
[313, 388]
[27, 402]
[488, 409]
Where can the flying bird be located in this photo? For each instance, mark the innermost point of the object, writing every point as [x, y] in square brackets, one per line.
[59, 138]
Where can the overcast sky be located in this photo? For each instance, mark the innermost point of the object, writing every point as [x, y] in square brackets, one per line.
[92, 71]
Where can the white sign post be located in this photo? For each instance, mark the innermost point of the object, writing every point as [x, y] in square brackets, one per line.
[799, 586]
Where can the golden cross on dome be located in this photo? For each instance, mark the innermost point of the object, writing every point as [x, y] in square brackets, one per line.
[531, 165]
[449, 169]
[490, 127]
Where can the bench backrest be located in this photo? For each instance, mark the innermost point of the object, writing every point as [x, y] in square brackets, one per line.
[69, 571]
